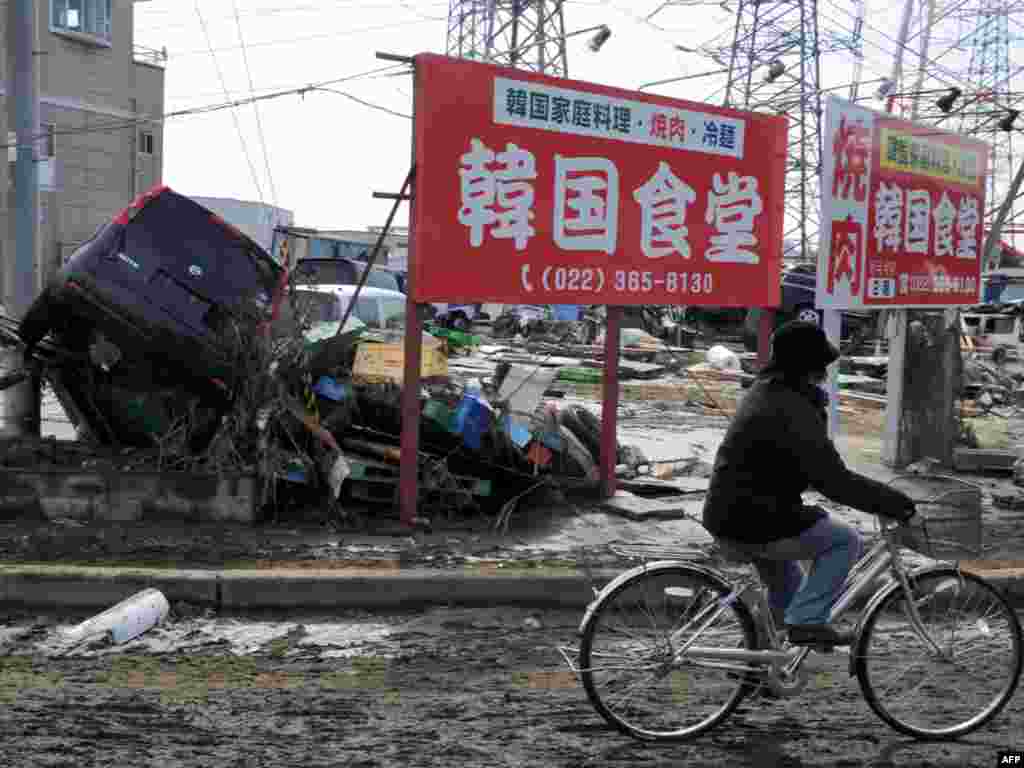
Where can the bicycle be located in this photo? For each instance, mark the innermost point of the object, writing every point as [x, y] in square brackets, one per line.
[715, 642]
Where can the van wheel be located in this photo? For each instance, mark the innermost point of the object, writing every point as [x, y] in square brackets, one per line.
[999, 355]
[460, 322]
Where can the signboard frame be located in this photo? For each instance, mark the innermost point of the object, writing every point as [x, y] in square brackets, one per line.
[902, 213]
[475, 172]
[533, 189]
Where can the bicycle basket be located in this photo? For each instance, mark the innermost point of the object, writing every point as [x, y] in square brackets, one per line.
[947, 525]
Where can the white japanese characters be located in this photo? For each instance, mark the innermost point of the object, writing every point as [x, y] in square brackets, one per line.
[732, 208]
[515, 195]
[888, 217]
[919, 208]
[967, 220]
[903, 222]
[479, 189]
[945, 217]
[663, 201]
[586, 204]
[508, 187]
[498, 194]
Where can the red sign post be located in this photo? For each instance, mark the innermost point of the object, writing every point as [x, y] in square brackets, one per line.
[533, 189]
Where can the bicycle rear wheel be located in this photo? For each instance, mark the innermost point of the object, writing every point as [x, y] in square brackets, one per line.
[628, 663]
[943, 695]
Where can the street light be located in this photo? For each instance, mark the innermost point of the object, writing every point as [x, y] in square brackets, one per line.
[600, 38]
[602, 33]
[775, 70]
[945, 103]
[1006, 124]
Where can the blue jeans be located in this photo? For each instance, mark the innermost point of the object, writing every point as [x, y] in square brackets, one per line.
[798, 597]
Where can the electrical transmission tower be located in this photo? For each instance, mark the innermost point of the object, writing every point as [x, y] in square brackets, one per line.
[773, 66]
[989, 73]
[963, 82]
[527, 34]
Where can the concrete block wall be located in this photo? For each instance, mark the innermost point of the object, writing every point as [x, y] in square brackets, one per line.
[128, 496]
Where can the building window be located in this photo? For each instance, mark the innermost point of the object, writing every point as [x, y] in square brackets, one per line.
[89, 17]
[146, 142]
[47, 143]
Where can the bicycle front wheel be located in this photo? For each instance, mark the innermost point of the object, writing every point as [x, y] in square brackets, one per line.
[950, 691]
[630, 643]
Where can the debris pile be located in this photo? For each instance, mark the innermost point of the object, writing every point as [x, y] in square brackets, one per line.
[176, 344]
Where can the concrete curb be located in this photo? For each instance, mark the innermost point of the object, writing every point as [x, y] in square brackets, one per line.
[84, 587]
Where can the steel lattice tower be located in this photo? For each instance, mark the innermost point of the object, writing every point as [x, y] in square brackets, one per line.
[967, 45]
[528, 34]
[773, 66]
[989, 73]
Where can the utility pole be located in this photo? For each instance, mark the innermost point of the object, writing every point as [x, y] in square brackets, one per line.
[21, 402]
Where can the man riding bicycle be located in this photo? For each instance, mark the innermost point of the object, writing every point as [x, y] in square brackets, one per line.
[777, 447]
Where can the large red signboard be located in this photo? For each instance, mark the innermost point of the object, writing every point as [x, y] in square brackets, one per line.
[902, 213]
[540, 190]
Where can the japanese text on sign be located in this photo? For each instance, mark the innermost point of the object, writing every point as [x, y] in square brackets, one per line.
[498, 197]
[903, 151]
[533, 105]
[533, 188]
[902, 216]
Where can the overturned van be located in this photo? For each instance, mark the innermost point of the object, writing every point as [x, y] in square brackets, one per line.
[153, 310]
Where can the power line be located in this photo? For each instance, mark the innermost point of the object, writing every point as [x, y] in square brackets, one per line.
[293, 85]
[951, 78]
[307, 38]
[319, 9]
[116, 125]
[234, 113]
[255, 106]
[365, 103]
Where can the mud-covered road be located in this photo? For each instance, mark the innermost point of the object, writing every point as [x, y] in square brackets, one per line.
[446, 687]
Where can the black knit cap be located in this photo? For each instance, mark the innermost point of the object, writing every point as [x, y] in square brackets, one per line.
[800, 347]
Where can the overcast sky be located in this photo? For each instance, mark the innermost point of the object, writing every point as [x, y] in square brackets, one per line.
[325, 154]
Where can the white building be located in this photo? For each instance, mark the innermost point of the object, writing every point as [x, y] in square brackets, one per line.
[257, 220]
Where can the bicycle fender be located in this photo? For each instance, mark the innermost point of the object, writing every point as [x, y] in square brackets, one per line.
[657, 566]
[887, 590]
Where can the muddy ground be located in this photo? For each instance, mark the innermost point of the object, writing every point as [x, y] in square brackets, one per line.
[443, 688]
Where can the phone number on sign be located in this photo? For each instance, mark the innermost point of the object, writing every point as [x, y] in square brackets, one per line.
[594, 279]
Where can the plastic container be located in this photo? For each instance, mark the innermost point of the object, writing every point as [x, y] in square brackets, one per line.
[126, 620]
[472, 420]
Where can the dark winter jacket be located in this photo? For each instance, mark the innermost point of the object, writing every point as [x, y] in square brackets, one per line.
[776, 448]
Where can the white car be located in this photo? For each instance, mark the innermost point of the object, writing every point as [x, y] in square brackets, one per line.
[375, 307]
